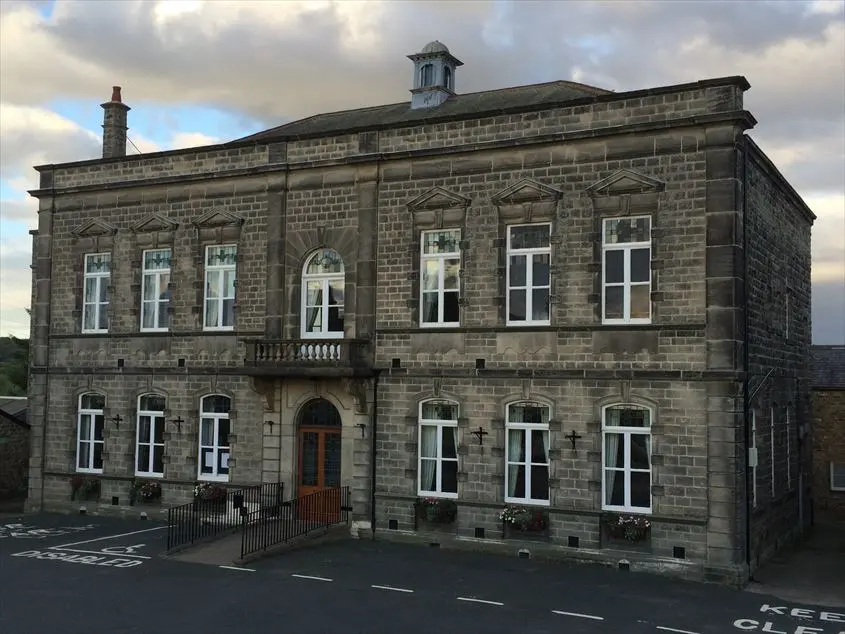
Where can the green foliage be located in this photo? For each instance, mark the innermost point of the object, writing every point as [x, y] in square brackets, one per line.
[14, 366]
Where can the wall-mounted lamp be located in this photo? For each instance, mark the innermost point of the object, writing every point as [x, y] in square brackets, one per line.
[480, 433]
[117, 419]
[362, 427]
[178, 422]
[572, 437]
[271, 423]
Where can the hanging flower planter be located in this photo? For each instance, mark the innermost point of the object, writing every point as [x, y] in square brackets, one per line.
[626, 531]
[146, 491]
[521, 522]
[435, 511]
[209, 498]
[84, 488]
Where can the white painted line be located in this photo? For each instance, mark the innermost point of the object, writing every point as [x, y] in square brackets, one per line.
[99, 539]
[672, 629]
[580, 616]
[96, 552]
[312, 578]
[479, 601]
[391, 588]
[237, 568]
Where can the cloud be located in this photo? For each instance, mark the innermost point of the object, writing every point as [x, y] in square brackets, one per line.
[270, 62]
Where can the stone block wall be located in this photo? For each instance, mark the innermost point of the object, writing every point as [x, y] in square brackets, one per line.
[777, 290]
[828, 407]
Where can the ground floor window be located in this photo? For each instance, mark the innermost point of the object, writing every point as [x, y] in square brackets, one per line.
[214, 437]
[626, 440]
[438, 452]
[527, 451]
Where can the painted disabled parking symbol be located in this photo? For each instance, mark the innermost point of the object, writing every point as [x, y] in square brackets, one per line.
[122, 550]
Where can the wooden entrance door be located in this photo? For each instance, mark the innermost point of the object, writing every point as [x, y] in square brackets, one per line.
[318, 481]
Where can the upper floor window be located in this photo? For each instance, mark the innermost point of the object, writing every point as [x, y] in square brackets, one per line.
[626, 270]
[529, 280]
[440, 269]
[95, 301]
[155, 290]
[90, 426]
[837, 476]
[220, 271]
[626, 439]
[427, 75]
[438, 453]
[149, 445]
[214, 437]
[527, 451]
[322, 296]
[447, 77]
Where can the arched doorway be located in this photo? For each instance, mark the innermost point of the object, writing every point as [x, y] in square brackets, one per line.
[319, 447]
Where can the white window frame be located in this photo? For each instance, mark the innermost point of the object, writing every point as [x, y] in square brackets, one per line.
[325, 279]
[833, 484]
[216, 449]
[788, 425]
[427, 78]
[95, 305]
[441, 291]
[90, 443]
[626, 284]
[157, 305]
[529, 287]
[627, 470]
[219, 301]
[527, 451]
[754, 457]
[156, 418]
[440, 425]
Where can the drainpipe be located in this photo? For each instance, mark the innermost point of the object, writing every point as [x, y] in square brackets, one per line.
[373, 458]
[746, 406]
[48, 321]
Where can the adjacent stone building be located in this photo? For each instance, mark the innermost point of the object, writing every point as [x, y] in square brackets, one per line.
[589, 307]
[14, 449]
[828, 403]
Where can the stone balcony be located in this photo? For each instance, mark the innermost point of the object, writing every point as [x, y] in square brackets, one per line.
[308, 357]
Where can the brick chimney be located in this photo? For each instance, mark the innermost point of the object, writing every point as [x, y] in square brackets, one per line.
[114, 125]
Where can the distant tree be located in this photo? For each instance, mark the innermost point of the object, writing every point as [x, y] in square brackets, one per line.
[14, 366]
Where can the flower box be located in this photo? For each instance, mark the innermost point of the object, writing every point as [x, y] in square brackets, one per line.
[84, 488]
[525, 523]
[209, 498]
[435, 513]
[145, 491]
[629, 532]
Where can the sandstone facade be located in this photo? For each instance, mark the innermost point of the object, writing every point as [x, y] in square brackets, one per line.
[719, 220]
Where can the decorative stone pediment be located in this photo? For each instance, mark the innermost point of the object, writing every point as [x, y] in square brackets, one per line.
[217, 218]
[94, 229]
[626, 182]
[153, 223]
[527, 201]
[526, 191]
[437, 208]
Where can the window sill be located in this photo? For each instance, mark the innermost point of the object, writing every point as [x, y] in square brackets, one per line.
[438, 495]
[211, 478]
[623, 322]
[90, 471]
[155, 476]
[526, 502]
[94, 332]
[223, 329]
[145, 330]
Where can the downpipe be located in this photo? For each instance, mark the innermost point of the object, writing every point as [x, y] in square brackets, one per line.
[373, 435]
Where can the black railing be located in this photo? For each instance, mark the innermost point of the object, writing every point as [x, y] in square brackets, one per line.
[295, 518]
[205, 519]
[317, 352]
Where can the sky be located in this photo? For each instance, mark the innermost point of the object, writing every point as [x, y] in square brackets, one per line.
[197, 73]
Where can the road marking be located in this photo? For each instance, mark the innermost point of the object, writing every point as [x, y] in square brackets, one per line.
[237, 568]
[96, 552]
[672, 629]
[581, 616]
[391, 588]
[311, 577]
[479, 601]
[117, 562]
[99, 539]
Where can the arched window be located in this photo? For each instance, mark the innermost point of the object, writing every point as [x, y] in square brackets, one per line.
[90, 425]
[427, 75]
[527, 451]
[438, 451]
[447, 77]
[322, 296]
[214, 437]
[149, 437]
[626, 440]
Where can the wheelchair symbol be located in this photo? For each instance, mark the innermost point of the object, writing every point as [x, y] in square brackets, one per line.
[122, 550]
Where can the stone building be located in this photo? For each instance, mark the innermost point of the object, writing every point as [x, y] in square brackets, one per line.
[582, 304]
[14, 449]
[828, 403]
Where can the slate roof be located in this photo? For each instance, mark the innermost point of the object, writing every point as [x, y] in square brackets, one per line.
[471, 105]
[827, 367]
[14, 407]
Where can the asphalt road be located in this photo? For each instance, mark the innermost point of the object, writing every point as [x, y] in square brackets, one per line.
[92, 575]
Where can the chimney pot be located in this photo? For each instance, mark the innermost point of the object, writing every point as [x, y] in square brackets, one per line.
[115, 94]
